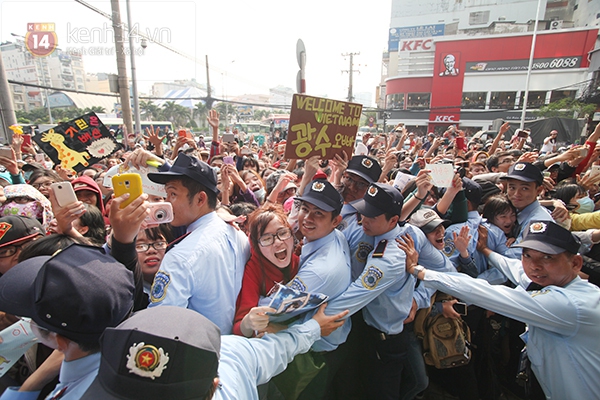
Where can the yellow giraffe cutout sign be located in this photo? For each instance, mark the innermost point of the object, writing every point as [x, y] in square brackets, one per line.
[68, 157]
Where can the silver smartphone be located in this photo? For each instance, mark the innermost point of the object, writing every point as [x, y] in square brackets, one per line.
[64, 193]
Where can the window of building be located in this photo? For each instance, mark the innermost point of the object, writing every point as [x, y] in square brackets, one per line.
[503, 100]
[534, 100]
[473, 100]
[479, 17]
[395, 101]
[562, 94]
[418, 101]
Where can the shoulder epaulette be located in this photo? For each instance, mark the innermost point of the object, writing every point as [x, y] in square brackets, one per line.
[380, 249]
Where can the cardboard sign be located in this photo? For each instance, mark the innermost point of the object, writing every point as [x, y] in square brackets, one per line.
[322, 127]
[78, 143]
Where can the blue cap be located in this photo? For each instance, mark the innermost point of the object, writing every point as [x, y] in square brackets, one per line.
[380, 198]
[191, 167]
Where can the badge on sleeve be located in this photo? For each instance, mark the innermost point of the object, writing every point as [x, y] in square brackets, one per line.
[371, 277]
[159, 287]
[363, 251]
[448, 247]
[146, 360]
[297, 284]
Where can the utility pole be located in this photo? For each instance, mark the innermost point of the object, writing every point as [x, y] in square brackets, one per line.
[209, 99]
[121, 66]
[7, 109]
[136, 100]
[350, 71]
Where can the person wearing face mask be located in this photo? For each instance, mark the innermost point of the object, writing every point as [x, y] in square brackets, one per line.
[27, 201]
[254, 183]
[580, 206]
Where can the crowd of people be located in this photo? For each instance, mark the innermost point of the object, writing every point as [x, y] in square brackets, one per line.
[183, 310]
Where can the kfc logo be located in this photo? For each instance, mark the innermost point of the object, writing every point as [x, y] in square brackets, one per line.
[414, 45]
[450, 69]
[445, 118]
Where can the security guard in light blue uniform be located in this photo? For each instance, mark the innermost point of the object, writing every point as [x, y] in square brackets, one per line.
[386, 293]
[361, 171]
[204, 270]
[562, 312]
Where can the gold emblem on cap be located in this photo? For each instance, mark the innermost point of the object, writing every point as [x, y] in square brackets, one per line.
[372, 191]
[367, 163]
[519, 167]
[318, 186]
[537, 227]
[146, 360]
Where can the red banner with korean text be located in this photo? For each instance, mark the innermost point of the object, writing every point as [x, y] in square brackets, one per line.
[78, 143]
[322, 127]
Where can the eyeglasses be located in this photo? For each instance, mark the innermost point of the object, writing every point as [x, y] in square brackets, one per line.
[46, 184]
[357, 184]
[143, 247]
[9, 250]
[268, 239]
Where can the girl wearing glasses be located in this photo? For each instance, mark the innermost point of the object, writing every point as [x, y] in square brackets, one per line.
[272, 260]
[151, 245]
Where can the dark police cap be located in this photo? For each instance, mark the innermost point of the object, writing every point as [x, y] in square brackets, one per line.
[76, 293]
[159, 353]
[549, 237]
[366, 167]
[473, 191]
[525, 172]
[322, 194]
[380, 198]
[191, 167]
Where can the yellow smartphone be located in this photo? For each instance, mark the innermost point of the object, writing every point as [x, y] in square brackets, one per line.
[127, 183]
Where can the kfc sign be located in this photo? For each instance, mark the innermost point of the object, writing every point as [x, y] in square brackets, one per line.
[416, 45]
[445, 118]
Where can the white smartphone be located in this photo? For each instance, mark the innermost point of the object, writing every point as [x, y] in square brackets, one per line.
[6, 152]
[64, 193]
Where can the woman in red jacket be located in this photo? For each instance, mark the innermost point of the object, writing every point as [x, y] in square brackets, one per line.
[272, 260]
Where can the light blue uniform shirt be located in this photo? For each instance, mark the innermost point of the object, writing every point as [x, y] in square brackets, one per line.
[246, 363]
[76, 376]
[384, 289]
[563, 322]
[533, 212]
[360, 244]
[325, 268]
[204, 271]
[496, 242]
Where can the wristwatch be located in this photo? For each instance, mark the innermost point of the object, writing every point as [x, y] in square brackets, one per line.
[416, 270]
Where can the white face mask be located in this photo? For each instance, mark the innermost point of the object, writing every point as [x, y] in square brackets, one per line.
[260, 194]
[586, 205]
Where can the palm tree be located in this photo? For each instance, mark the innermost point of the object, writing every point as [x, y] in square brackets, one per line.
[150, 111]
[96, 109]
[200, 112]
[168, 110]
[226, 110]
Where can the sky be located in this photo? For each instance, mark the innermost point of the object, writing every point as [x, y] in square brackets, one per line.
[251, 45]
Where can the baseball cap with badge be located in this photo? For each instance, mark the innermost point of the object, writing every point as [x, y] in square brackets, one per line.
[366, 167]
[177, 358]
[525, 172]
[380, 198]
[191, 167]
[322, 194]
[77, 293]
[15, 229]
[549, 237]
[427, 220]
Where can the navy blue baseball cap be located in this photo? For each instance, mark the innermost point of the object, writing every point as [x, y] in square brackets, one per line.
[549, 237]
[366, 167]
[380, 198]
[77, 293]
[526, 172]
[191, 167]
[322, 194]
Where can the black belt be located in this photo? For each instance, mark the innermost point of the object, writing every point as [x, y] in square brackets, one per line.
[382, 335]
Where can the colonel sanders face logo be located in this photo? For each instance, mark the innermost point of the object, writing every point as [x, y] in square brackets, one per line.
[449, 66]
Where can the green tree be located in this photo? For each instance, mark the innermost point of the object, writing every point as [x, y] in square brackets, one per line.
[150, 111]
[565, 108]
[226, 111]
[96, 109]
[200, 112]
